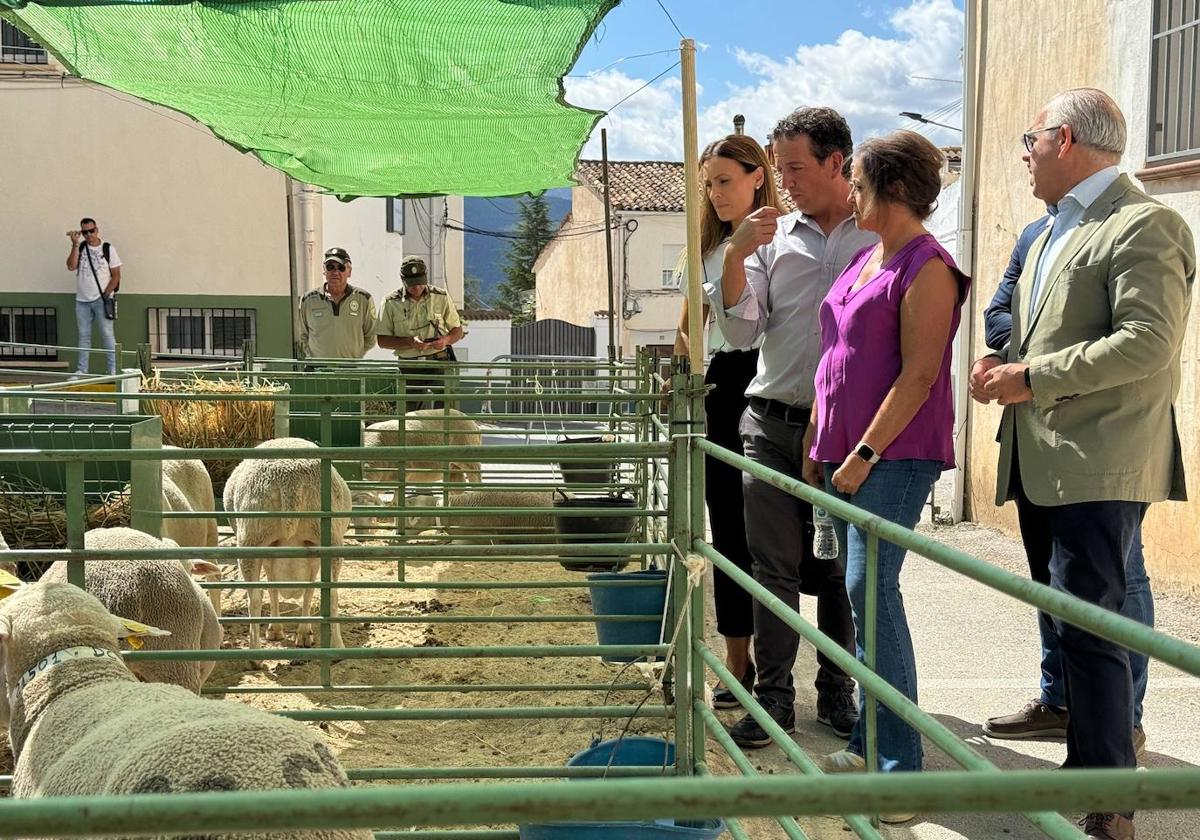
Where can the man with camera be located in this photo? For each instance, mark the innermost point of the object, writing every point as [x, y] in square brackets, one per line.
[419, 322]
[97, 270]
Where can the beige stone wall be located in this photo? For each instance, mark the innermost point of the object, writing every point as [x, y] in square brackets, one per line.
[1027, 57]
[571, 279]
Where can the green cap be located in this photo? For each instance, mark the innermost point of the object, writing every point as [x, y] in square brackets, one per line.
[412, 271]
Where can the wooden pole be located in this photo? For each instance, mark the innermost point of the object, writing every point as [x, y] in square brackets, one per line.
[691, 173]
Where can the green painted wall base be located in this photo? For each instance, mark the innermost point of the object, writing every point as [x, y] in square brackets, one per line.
[273, 319]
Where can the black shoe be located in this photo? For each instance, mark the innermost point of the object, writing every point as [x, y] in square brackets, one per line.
[747, 732]
[723, 698]
[837, 709]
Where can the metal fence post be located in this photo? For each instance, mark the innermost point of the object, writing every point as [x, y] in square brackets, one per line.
[76, 521]
[696, 531]
[679, 515]
[326, 535]
[400, 499]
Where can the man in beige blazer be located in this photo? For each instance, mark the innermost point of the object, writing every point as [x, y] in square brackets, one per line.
[1089, 379]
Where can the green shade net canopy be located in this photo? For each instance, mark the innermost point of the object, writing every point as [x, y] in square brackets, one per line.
[360, 97]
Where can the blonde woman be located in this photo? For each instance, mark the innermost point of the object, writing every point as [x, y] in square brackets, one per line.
[737, 180]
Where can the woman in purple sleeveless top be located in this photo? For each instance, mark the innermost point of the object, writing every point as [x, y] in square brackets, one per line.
[883, 421]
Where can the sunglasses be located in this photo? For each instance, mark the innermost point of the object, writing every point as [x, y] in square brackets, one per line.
[332, 266]
[87, 232]
[1030, 137]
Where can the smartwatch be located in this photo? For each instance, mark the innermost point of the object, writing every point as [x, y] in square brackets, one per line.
[864, 451]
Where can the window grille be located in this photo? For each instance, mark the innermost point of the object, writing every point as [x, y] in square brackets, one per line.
[17, 47]
[200, 332]
[29, 325]
[1174, 77]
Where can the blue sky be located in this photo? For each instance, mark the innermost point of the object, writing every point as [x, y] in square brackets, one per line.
[764, 57]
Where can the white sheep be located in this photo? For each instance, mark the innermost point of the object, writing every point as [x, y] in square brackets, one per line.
[285, 485]
[187, 488]
[82, 725]
[157, 592]
[427, 427]
[497, 526]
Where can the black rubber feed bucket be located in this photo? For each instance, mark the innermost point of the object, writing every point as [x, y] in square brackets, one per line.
[591, 528]
[587, 472]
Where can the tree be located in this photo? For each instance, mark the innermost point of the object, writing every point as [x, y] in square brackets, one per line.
[515, 293]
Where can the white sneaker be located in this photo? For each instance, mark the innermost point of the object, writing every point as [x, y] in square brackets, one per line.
[844, 761]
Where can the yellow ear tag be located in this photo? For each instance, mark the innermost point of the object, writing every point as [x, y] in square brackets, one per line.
[9, 584]
[135, 631]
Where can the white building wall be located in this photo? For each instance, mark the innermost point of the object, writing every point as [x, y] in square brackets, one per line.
[485, 341]
[188, 213]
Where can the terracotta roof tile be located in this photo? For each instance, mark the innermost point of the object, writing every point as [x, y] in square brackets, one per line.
[645, 185]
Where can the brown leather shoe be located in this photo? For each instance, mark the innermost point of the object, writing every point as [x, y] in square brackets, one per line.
[1035, 720]
[1107, 826]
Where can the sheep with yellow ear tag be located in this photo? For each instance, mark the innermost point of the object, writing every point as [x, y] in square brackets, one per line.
[82, 725]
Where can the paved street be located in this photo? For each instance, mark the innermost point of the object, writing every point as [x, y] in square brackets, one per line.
[977, 655]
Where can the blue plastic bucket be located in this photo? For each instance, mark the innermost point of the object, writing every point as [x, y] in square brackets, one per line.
[631, 751]
[629, 600]
[658, 830]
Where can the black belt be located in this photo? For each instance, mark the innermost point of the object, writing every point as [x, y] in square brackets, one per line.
[797, 415]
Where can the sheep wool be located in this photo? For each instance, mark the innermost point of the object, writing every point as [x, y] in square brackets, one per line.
[187, 487]
[426, 427]
[285, 485]
[156, 592]
[87, 727]
[496, 526]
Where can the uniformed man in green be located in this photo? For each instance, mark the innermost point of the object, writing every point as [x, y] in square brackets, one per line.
[419, 321]
[338, 320]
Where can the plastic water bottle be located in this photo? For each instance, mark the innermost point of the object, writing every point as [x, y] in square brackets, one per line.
[825, 541]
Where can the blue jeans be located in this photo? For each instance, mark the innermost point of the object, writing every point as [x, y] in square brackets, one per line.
[896, 491]
[85, 313]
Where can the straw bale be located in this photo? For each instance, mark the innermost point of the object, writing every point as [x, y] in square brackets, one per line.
[210, 422]
[33, 518]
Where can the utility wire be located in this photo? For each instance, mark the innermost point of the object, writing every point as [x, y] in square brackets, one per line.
[668, 14]
[592, 73]
[642, 88]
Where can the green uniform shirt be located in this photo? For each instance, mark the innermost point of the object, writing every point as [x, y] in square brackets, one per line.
[432, 316]
[344, 330]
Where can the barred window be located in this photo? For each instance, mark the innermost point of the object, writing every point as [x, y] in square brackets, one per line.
[24, 326]
[16, 46]
[200, 332]
[1174, 77]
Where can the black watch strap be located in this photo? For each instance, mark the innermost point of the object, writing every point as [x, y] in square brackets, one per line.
[1028, 383]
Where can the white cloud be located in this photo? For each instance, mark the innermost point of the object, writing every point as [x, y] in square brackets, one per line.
[867, 78]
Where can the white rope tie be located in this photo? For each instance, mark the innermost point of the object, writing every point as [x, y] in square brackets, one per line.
[695, 565]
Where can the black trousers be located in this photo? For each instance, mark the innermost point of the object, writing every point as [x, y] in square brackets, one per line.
[779, 531]
[1083, 547]
[415, 384]
[729, 374]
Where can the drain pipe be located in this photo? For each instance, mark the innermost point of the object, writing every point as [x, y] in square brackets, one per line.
[975, 31]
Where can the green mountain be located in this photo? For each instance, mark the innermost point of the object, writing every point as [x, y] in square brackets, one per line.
[485, 243]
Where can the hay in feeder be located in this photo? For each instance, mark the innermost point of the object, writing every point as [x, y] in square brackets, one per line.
[209, 421]
[33, 518]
